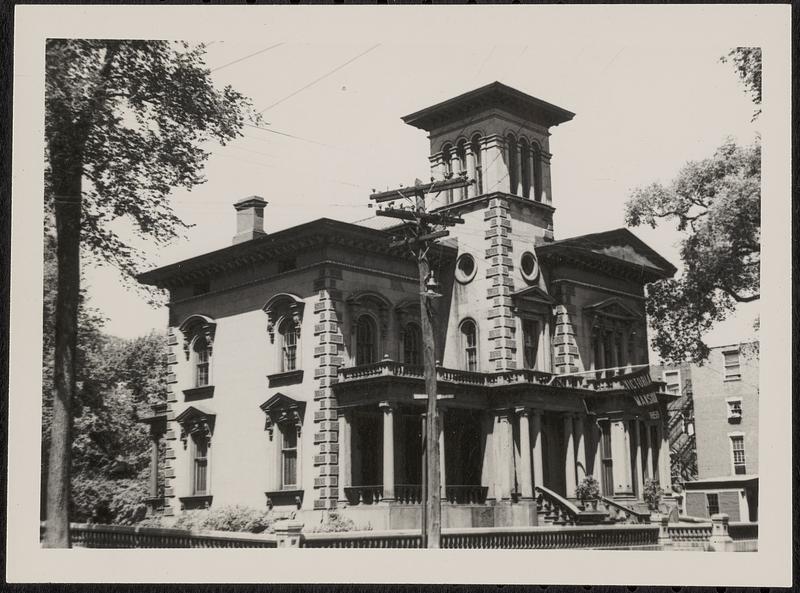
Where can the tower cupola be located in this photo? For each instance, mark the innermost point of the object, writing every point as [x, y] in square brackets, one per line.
[496, 134]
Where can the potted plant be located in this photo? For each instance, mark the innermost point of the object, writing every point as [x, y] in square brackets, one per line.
[588, 491]
[652, 494]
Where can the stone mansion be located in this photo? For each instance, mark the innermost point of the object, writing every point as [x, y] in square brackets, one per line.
[295, 364]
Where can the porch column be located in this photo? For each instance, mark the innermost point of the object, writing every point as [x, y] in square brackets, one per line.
[536, 443]
[345, 472]
[649, 465]
[442, 465]
[154, 439]
[639, 452]
[581, 461]
[503, 455]
[569, 463]
[526, 482]
[620, 454]
[388, 451]
[664, 473]
[597, 444]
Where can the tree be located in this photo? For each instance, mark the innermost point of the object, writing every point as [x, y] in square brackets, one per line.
[717, 203]
[125, 122]
[747, 61]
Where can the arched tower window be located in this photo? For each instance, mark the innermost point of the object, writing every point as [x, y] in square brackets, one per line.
[448, 167]
[461, 159]
[476, 152]
[537, 173]
[513, 163]
[365, 340]
[525, 168]
[469, 344]
[412, 344]
[289, 331]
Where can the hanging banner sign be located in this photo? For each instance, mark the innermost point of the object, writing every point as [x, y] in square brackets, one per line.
[646, 399]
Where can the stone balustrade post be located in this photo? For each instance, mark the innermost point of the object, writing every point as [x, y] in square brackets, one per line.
[288, 533]
[720, 540]
[663, 531]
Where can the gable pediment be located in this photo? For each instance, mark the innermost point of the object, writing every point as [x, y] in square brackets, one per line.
[613, 308]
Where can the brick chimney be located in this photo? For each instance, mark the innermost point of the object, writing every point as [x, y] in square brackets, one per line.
[249, 219]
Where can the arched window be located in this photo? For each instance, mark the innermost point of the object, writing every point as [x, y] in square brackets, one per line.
[412, 344]
[525, 161]
[461, 159]
[448, 167]
[289, 332]
[537, 173]
[476, 151]
[513, 163]
[201, 359]
[365, 340]
[469, 343]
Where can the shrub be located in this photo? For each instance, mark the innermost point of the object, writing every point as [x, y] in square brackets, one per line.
[335, 523]
[228, 518]
[588, 489]
[652, 494]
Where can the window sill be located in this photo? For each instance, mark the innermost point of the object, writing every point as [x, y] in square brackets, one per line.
[195, 501]
[729, 379]
[284, 497]
[195, 393]
[285, 378]
[734, 419]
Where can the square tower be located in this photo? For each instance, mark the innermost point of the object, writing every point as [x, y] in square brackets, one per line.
[496, 134]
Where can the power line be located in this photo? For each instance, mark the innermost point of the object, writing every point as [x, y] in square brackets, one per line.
[236, 61]
[279, 133]
[316, 80]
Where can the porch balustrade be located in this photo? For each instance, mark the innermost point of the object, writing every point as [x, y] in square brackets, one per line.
[603, 380]
[412, 494]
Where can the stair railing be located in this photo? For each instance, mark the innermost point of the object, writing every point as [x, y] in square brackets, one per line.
[557, 509]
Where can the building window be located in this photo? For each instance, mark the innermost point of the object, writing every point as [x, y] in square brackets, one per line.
[712, 503]
[607, 468]
[469, 338]
[290, 336]
[200, 463]
[731, 369]
[737, 447]
[529, 267]
[412, 344]
[673, 381]
[288, 456]
[201, 362]
[476, 151]
[365, 340]
[530, 343]
[465, 268]
[734, 410]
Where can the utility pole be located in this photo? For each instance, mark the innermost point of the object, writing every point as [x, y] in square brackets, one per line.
[421, 233]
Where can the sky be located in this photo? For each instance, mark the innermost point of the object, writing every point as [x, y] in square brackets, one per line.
[332, 131]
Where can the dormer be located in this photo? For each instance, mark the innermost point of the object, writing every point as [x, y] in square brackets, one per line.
[498, 136]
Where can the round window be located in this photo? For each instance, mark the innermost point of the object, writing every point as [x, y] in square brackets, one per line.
[529, 266]
[465, 268]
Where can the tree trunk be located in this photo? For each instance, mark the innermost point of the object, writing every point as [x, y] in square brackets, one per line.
[67, 189]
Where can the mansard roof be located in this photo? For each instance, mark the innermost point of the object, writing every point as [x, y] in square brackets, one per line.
[287, 242]
[495, 94]
[617, 252]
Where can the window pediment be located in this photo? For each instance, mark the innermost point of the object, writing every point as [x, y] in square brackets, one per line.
[532, 299]
[196, 421]
[282, 305]
[281, 408]
[196, 326]
[367, 301]
[613, 308]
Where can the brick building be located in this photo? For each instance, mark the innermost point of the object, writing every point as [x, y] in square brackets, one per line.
[296, 377]
[722, 397]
